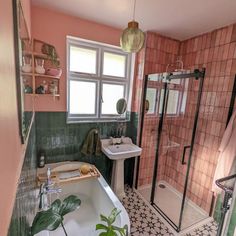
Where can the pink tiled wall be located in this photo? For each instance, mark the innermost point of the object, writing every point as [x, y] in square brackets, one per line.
[159, 52]
[216, 51]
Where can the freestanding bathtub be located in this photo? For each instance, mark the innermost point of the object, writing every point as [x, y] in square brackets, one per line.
[96, 198]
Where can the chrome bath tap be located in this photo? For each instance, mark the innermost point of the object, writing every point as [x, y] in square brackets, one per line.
[45, 190]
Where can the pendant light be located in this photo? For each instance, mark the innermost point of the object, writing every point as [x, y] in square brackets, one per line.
[132, 38]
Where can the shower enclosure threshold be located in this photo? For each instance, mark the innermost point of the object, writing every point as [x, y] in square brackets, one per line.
[168, 199]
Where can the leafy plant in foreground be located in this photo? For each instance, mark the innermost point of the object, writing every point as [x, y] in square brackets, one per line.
[110, 229]
[52, 218]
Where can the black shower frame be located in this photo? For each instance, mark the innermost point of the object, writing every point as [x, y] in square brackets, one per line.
[197, 74]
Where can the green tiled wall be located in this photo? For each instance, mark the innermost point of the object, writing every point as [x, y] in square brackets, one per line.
[26, 199]
[62, 141]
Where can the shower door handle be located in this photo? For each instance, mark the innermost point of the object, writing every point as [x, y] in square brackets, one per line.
[183, 157]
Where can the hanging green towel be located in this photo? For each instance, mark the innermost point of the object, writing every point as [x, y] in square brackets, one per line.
[92, 143]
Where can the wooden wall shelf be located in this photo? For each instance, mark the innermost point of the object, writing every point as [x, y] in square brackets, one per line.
[33, 51]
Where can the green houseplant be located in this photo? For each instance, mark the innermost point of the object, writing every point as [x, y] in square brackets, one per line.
[51, 52]
[52, 218]
[110, 229]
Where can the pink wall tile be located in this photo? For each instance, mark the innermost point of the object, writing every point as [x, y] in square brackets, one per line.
[216, 51]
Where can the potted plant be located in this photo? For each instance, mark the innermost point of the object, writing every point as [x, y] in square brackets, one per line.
[52, 55]
[51, 52]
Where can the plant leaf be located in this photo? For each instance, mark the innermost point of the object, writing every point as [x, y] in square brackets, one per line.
[69, 204]
[105, 219]
[56, 206]
[101, 226]
[113, 215]
[111, 233]
[123, 231]
[45, 220]
[103, 234]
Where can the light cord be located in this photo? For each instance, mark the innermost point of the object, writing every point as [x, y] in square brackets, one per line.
[134, 10]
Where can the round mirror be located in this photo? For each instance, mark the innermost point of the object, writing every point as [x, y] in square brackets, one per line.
[121, 106]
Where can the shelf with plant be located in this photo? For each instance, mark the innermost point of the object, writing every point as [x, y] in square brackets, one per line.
[40, 75]
[41, 63]
[38, 55]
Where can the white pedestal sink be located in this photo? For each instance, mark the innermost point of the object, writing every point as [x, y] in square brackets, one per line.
[118, 153]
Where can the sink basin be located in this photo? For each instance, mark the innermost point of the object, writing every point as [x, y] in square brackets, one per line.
[120, 151]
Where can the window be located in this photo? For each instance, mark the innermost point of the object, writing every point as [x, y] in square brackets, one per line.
[177, 90]
[151, 96]
[176, 97]
[98, 76]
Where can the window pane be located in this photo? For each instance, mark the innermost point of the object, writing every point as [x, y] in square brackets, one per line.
[151, 97]
[111, 93]
[172, 105]
[83, 60]
[114, 64]
[173, 99]
[82, 97]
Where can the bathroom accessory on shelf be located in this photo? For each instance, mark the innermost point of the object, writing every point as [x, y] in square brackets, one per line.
[53, 88]
[54, 72]
[39, 66]
[27, 67]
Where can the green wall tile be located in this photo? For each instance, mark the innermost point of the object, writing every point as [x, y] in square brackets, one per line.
[63, 142]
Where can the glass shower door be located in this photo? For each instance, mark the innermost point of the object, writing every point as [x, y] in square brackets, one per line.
[178, 106]
[150, 123]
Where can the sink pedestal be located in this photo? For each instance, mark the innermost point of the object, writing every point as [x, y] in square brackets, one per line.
[117, 180]
[118, 153]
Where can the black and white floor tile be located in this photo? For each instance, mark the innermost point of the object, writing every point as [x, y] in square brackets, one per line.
[145, 221]
[209, 229]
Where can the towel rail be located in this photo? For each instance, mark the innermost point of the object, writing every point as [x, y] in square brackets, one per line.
[228, 195]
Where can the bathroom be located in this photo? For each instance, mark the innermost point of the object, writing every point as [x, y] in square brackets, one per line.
[176, 97]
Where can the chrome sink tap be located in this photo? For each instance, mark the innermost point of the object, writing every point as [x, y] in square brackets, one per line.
[45, 190]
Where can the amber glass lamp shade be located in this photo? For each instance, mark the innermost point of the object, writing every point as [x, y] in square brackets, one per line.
[132, 38]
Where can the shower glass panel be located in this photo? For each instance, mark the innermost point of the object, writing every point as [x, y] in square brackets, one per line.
[149, 129]
[166, 169]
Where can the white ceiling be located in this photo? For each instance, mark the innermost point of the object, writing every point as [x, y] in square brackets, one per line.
[180, 19]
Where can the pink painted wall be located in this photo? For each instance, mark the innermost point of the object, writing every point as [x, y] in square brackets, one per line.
[11, 156]
[26, 6]
[53, 27]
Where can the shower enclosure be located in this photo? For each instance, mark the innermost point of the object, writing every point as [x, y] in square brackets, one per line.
[171, 103]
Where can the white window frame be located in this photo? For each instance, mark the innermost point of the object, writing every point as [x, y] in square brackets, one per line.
[99, 78]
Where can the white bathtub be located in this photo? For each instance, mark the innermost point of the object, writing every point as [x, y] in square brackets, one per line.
[96, 198]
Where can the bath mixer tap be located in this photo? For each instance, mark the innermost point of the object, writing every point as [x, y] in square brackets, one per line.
[47, 189]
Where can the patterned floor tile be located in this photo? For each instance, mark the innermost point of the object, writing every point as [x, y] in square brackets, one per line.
[145, 221]
[209, 229]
